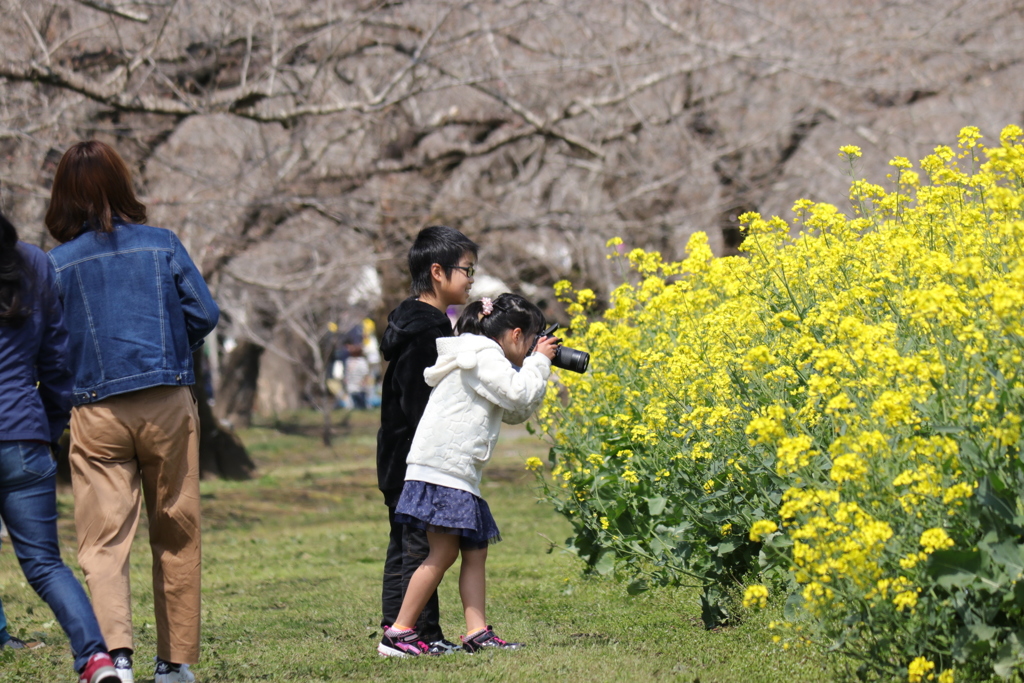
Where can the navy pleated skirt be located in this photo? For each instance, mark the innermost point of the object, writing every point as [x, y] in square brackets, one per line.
[445, 510]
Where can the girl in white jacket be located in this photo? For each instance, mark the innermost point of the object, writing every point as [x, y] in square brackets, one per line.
[495, 370]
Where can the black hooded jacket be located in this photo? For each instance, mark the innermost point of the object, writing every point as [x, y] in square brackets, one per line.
[409, 346]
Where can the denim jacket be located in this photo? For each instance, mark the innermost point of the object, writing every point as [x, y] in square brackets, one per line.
[35, 353]
[136, 308]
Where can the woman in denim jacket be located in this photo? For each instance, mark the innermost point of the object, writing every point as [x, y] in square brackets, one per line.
[136, 309]
[34, 388]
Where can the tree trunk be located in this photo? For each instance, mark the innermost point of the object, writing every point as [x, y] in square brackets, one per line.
[325, 402]
[221, 452]
[236, 395]
[281, 385]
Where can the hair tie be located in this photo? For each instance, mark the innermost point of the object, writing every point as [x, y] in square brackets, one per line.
[488, 306]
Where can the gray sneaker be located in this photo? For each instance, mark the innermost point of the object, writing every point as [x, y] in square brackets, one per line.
[443, 647]
[19, 644]
[166, 672]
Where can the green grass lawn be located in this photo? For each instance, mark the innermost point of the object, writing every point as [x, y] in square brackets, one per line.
[291, 586]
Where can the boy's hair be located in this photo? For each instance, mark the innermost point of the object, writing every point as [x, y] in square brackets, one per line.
[436, 244]
[508, 312]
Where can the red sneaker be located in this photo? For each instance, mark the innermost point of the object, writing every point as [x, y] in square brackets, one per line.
[99, 669]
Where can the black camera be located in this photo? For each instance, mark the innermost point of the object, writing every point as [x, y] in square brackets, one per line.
[566, 358]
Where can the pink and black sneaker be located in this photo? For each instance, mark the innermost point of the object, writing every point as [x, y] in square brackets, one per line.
[486, 639]
[405, 643]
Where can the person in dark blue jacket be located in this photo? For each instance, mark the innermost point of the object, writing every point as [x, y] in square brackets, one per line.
[34, 390]
[137, 308]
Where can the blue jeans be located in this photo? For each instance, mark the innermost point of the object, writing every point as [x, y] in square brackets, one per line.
[28, 504]
[4, 636]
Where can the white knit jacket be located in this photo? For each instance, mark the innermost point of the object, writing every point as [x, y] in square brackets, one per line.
[475, 389]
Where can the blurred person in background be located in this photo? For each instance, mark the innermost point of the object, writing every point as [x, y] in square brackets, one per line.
[371, 349]
[358, 377]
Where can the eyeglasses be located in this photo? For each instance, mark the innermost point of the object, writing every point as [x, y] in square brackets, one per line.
[469, 270]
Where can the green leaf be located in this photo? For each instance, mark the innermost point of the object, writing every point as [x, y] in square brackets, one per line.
[777, 541]
[989, 497]
[1018, 594]
[637, 587]
[983, 632]
[1006, 661]
[1008, 554]
[656, 505]
[953, 429]
[726, 547]
[605, 562]
[954, 568]
[712, 610]
[794, 607]
[581, 546]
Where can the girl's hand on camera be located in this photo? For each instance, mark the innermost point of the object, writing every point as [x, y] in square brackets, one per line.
[547, 346]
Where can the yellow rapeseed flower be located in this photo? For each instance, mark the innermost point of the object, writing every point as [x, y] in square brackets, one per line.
[969, 137]
[920, 670]
[905, 600]
[935, 539]
[762, 527]
[755, 597]
[852, 376]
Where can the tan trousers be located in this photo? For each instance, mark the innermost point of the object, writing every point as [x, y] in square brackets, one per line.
[148, 437]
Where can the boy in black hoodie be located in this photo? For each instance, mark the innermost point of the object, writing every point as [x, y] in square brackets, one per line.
[441, 262]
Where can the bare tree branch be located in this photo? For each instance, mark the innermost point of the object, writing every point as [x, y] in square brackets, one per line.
[35, 34]
[131, 15]
[298, 147]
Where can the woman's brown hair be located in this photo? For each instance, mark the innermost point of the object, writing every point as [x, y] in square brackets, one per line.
[92, 186]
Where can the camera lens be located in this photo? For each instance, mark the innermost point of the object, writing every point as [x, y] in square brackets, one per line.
[571, 359]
